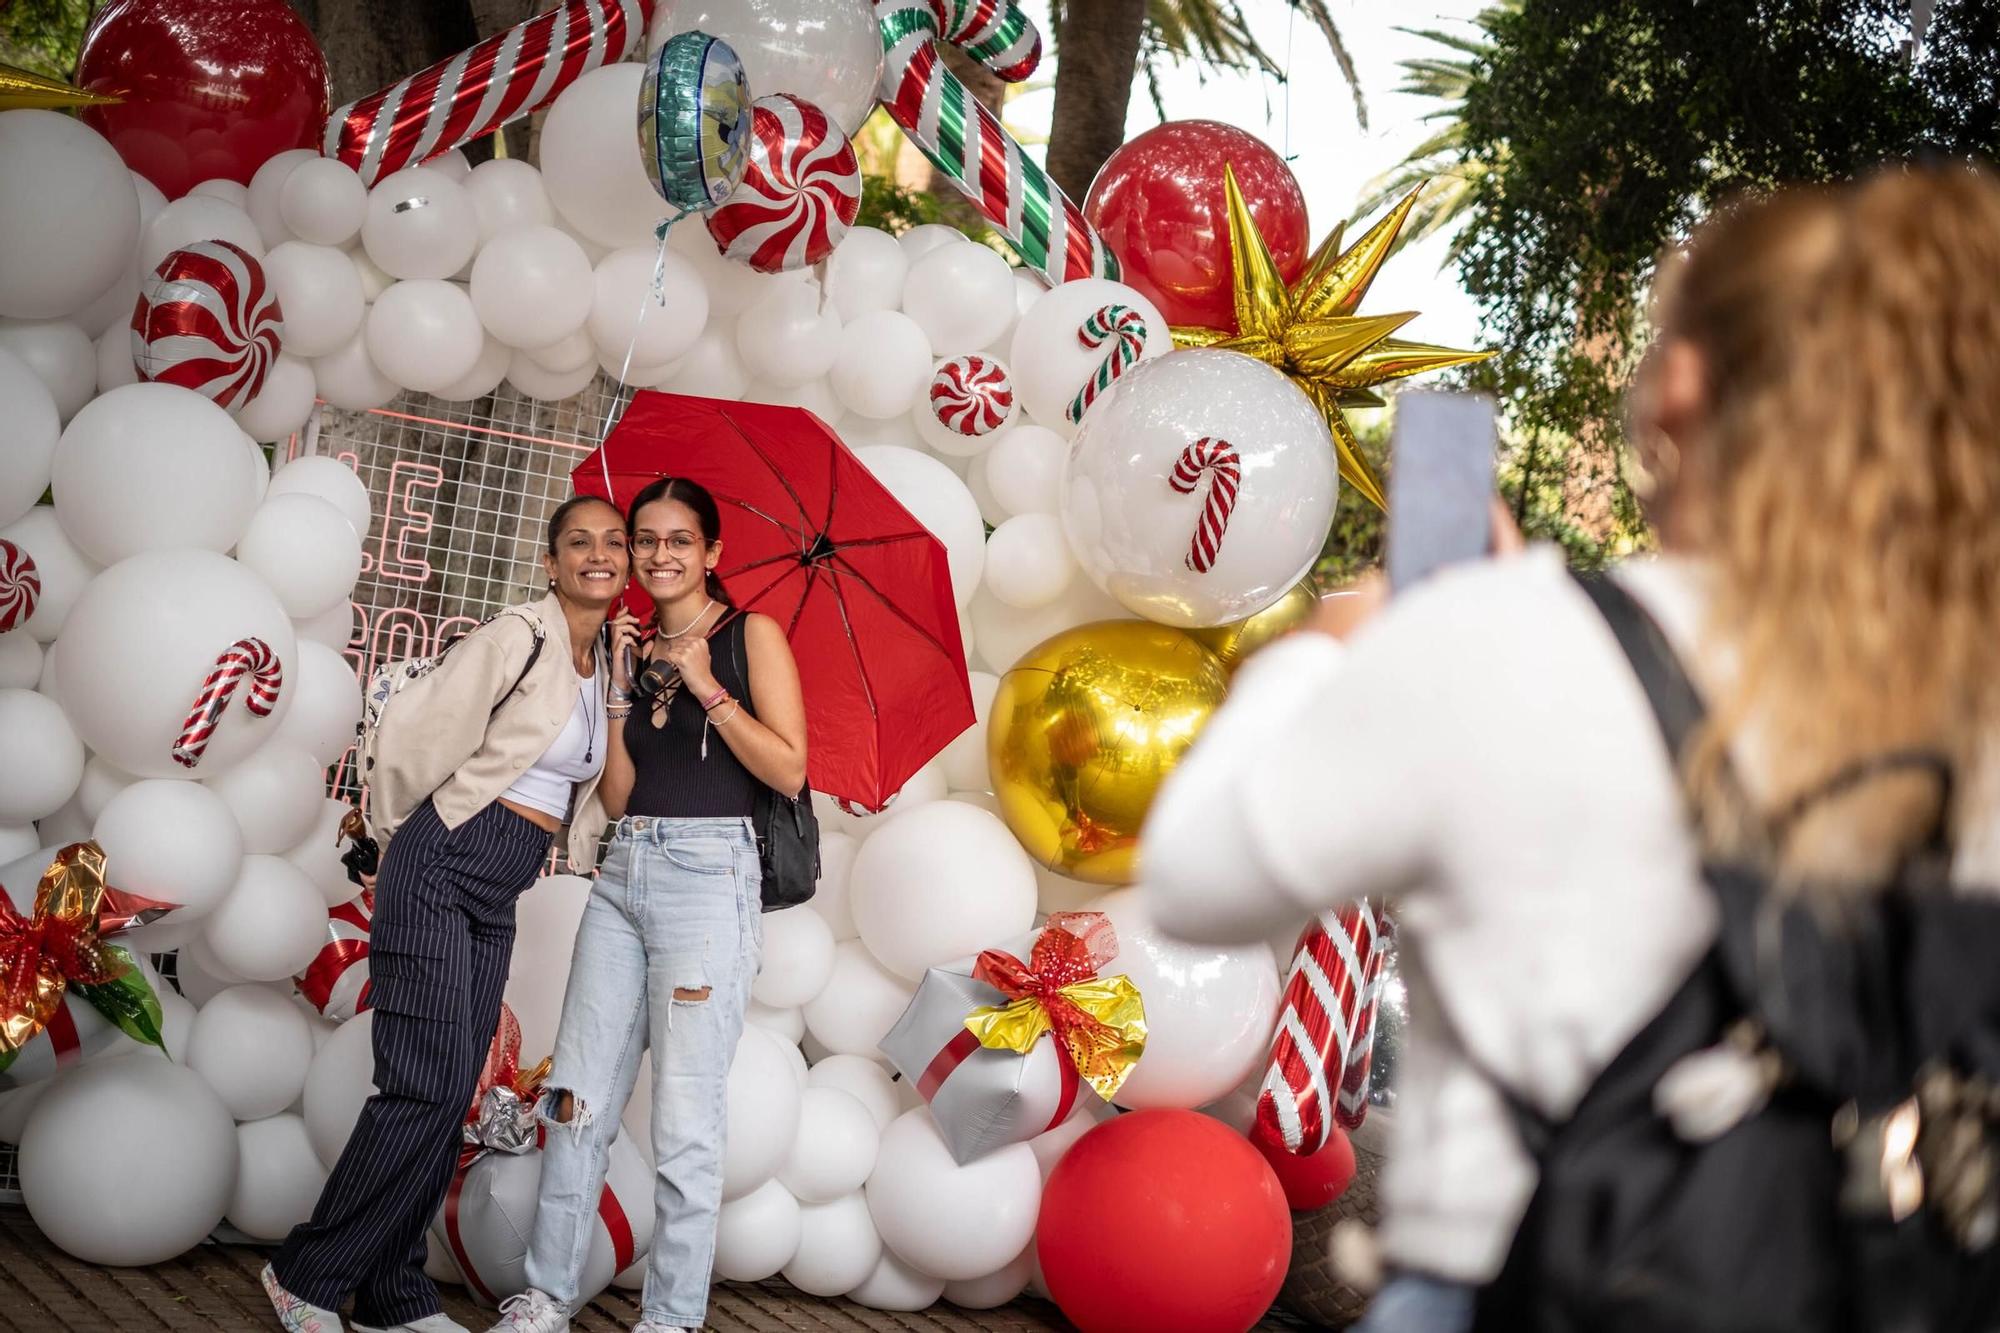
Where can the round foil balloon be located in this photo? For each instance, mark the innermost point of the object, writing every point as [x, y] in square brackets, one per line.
[800, 193]
[694, 121]
[20, 586]
[1239, 639]
[207, 320]
[1085, 728]
[1200, 488]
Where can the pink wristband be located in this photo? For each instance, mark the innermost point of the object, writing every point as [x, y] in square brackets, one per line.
[714, 699]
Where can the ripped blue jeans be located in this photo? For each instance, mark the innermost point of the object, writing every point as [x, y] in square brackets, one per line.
[666, 952]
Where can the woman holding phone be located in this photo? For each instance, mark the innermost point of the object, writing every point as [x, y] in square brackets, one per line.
[670, 940]
[478, 763]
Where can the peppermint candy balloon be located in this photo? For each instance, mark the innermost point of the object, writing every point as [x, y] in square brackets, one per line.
[207, 320]
[972, 395]
[20, 586]
[800, 193]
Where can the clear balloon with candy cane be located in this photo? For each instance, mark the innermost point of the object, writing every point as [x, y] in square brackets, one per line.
[967, 143]
[1317, 1077]
[248, 659]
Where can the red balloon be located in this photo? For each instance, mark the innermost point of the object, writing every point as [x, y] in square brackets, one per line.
[211, 87]
[1313, 1181]
[1158, 202]
[1163, 1219]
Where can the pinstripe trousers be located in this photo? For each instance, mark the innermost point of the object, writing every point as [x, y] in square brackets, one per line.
[438, 949]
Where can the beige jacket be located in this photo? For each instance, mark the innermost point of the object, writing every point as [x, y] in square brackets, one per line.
[441, 738]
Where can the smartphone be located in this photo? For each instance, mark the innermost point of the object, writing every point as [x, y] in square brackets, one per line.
[1441, 489]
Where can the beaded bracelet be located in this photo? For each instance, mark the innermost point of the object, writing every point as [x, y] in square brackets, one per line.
[724, 721]
[714, 699]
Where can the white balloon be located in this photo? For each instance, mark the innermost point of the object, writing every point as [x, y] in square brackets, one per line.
[320, 292]
[174, 842]
[60, 354]
[756, 1235]
[546, 918]
[951, 1221]
[894, 1285]
[961, 296]
[861, 1002]
[102, 780]
[323, 202]
[69, 220]
[925, 785]
[835, 1149]
[623, 372]
[419, 224]
[1050, 365]
[566, 354]
[830, 899]
[1024, 470]
[271, 923]
[920, 240]
[884, 365]
[965, 758]
[113, 307]
[282, 405]
[329, 479]
[548, 386]
[939, 883]
[507, 192]
[764, 1105]
[485, 375]
[861, 1078]
[859, 432]
[710, 369]
[187, 607]
[318, 854]
[41, 759]
[838, 1247]
[275, 795]
[732, 287]
[20, 660]
[1028, 561]
[798, 958]
[1005, 633]
[1136, 536]
[532, 286]
[192, 218]
[814, 396]
[787, 1023]
[221, 187]
[995, 1289]
[826, 51]
[1209, 1009]
[64, 570]
[151, 201]
[866, 273]
[936, 498]
[28, 436]
[253, 1045]
[266, 194]
[17, 841]
[306, 550]
[156, 1205]
[278, 1179]
[332, 628]
[186, 488]
[348, 377]
[424, 334]
[631, 315]
[201, 977]
[595, 178]
[339, 1082]
[452, 162]
[1050, 1145]
[373, 280]
[787, 338]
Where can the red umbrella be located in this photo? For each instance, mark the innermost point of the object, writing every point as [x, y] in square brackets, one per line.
[813, 540]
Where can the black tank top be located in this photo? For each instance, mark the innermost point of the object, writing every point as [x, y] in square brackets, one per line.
[671, 778]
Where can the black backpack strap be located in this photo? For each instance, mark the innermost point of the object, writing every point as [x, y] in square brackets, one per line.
[534, 655]
[1676, 704]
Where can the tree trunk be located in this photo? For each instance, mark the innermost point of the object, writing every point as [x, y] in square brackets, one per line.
[1099, 45]
[369, 44]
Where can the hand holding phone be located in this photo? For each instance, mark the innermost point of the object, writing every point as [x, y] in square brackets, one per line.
[1441, 509]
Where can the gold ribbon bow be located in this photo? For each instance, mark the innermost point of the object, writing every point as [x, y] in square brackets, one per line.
[43, 955]
[1099, 1022]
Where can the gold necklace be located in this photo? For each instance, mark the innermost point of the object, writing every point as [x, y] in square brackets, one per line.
[691, 624]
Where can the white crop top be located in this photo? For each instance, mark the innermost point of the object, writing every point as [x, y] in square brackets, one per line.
[576, 755]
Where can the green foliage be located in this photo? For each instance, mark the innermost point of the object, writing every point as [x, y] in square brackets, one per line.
[895, 209]
[1355, 545]
[43, 36]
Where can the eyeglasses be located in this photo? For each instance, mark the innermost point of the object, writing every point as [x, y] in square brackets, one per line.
[680, 544]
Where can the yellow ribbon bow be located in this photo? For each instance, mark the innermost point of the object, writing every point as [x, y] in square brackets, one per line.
[1099, 1022]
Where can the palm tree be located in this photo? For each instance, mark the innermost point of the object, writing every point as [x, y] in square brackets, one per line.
[1102, 45]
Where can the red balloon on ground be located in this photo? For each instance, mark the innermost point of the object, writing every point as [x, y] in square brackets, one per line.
[1158, 202]
[211, 87]
[1163, 1219]
[1313, 1181]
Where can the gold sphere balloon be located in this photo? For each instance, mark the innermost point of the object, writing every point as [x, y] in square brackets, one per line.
[1235, 641]
[1083, 731]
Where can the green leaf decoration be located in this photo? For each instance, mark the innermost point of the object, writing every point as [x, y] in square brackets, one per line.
[128, 1002]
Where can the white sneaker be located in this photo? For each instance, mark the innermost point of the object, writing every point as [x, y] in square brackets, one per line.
[295, 1313]
[430, 1323]
[532, 1312]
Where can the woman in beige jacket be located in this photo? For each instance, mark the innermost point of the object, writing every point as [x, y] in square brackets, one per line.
[478, 763]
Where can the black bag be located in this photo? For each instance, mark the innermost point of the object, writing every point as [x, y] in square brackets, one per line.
[1884, 1012]
[787, 828]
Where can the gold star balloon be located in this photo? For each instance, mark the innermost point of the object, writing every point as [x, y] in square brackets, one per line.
[1310, 331]
[20, 89]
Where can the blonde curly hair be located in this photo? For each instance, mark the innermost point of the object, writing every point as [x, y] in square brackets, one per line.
[1850, 463]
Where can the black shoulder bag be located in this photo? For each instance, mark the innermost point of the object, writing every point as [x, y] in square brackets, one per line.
[787, 829]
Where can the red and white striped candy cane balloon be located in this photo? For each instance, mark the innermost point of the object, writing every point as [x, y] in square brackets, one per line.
[972, 395]
[1125, 329]
[799, 194]
[507, 76]
[249, 658]
[336, 981]
[1216, 460]
[1318, 1071]
[207, 320]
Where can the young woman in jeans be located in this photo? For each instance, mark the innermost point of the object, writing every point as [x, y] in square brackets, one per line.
[477, 765]
[1818, 424]
[670, 940]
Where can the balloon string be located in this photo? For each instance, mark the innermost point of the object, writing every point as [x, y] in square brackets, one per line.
[655, 294]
